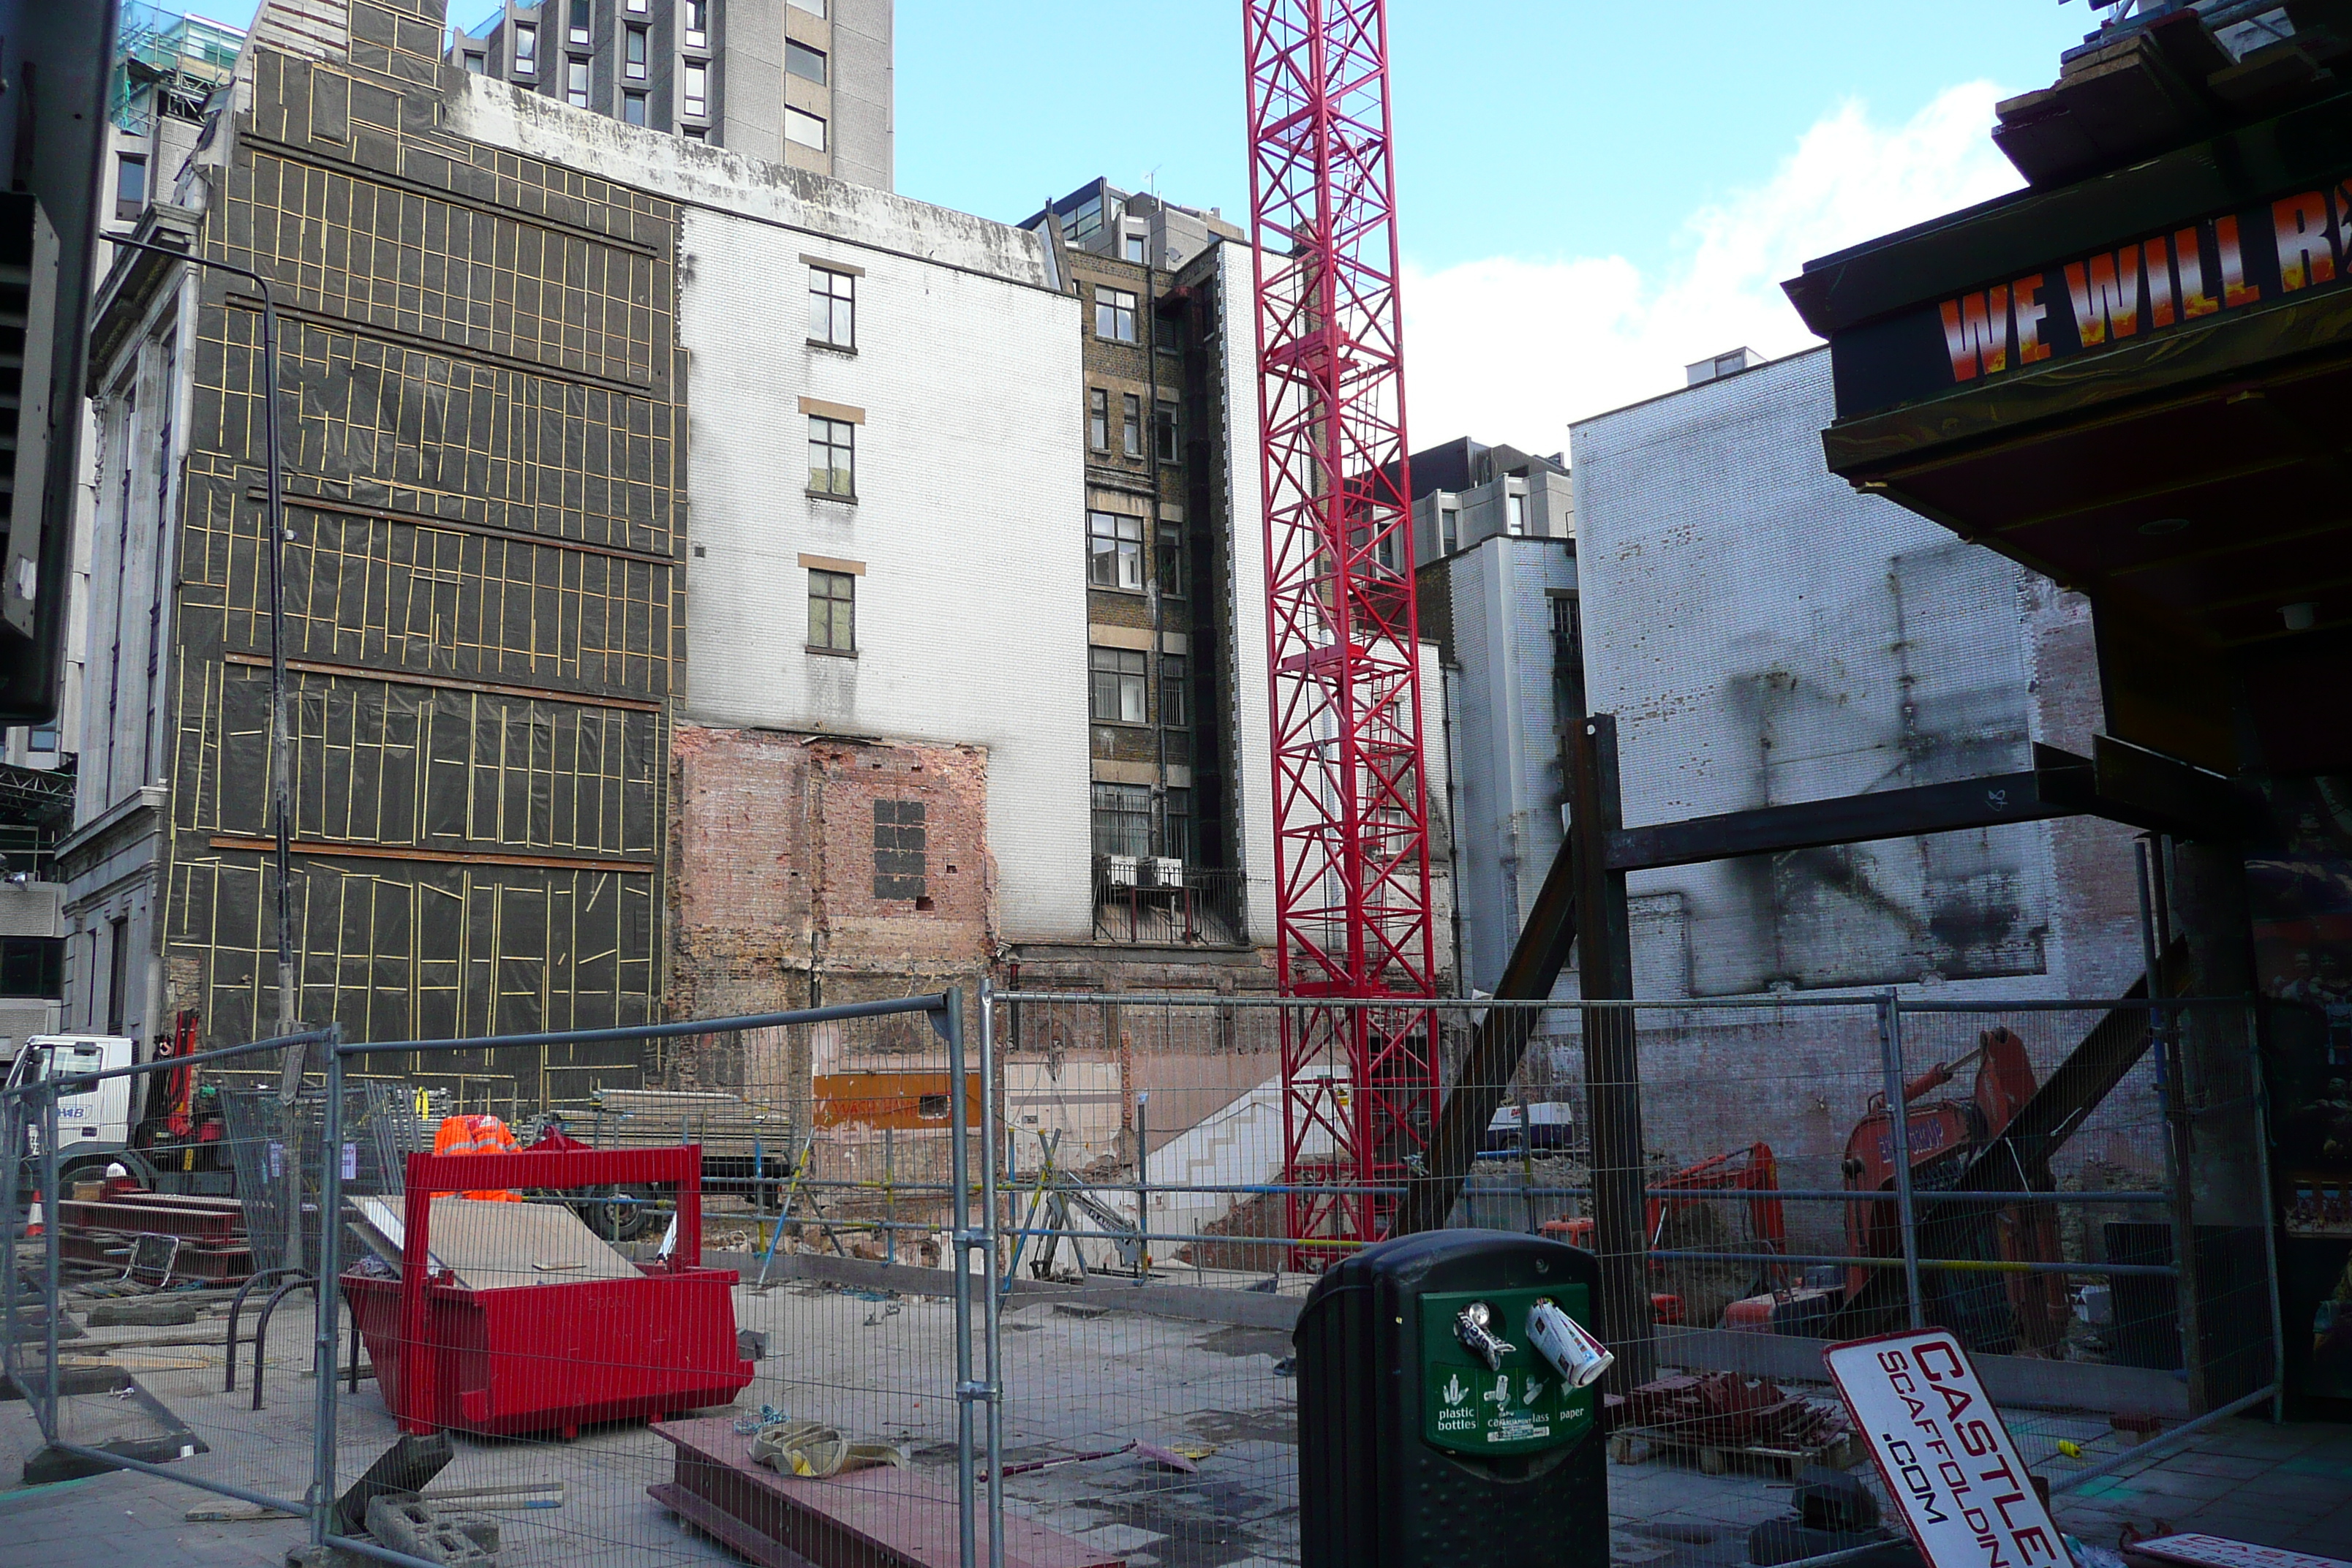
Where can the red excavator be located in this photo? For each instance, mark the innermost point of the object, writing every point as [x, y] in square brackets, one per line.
[1750, 1170]
[1995, 1310]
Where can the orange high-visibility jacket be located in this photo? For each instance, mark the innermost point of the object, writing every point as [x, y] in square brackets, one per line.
[477, 1135]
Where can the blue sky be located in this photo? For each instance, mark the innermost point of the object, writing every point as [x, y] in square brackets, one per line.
[1624, 179]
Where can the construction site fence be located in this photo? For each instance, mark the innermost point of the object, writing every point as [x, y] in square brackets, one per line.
[531, 1348]
[1154, 1143]
[1053, 1276]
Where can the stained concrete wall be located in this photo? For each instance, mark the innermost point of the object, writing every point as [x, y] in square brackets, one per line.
[1766, 634]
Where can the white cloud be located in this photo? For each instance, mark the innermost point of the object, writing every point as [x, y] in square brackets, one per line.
[1512, 348]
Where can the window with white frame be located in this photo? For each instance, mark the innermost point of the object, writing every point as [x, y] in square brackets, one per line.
[1118, 676]
[579, 33]
[526, 49]
[632, 109]
[1114, 550]
[575, 83]
[697, 22]
[696, 88]
[832, 308]
[1098, 419]
[1115, 315]
[634, 47]
[805, 62]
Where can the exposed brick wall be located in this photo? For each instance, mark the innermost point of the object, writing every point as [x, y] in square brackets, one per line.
[776, 903]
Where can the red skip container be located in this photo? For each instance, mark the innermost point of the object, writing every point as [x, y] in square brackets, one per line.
[556, 1356]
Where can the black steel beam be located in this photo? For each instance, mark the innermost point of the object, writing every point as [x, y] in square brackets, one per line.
[2060, 789]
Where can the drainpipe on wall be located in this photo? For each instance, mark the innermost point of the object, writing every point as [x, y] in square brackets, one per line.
[1449, 680]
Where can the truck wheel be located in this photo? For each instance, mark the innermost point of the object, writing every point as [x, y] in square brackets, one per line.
[622, 1214]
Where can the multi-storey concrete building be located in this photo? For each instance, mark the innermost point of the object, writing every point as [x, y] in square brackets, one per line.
[1464, 492]
[805, 83]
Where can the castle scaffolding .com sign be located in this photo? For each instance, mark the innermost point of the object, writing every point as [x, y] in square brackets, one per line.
[1948, 1464]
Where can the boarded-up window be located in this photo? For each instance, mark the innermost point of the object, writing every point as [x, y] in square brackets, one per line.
[899, 844]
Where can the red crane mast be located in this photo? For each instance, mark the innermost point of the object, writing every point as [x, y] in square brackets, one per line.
[1351, 817]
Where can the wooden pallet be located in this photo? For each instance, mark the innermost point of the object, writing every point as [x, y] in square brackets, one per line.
[1634, 1444]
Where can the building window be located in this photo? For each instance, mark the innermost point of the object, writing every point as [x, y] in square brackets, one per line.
[1449, 530]
[1171, 565]
[694, 133]
[130, 184]
[1179, 836]
[41, 738]
[813, 7]
[1164, 431]
[697, 87]
[698, 22]
[1515, 513]
[1114, 551]
[1098, 419]
[1119, 677]
[1384, 550]
[1168, 332]
[476, 63]
[632, 58]
[804, 129]
[901, 843]
[833, 611]
[526, 49]
[833, 456]
[1130, 422]
[1115, 315]
[1137, 246]
[575, 83]
[118, 973]
[832, 308]
[636, 6]
[1122, 819]
[633, 108]
[1175, 694]
[579, 33]
[805, 62]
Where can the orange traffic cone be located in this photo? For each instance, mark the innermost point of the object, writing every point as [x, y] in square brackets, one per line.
[33, 1217]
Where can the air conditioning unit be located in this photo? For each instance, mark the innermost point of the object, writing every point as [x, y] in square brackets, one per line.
[1164, 872]
[1118, 870]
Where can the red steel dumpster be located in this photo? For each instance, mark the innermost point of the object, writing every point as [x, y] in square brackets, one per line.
[537, 1357]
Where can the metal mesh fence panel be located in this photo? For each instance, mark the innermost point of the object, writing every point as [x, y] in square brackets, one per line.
[619, 1305]
[1758, 1181]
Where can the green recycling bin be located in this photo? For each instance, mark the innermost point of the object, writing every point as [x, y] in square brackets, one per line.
[1449, 1407]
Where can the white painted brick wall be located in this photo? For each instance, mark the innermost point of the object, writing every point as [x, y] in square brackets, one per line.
[972, 613]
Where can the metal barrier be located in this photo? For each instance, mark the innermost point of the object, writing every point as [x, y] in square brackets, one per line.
[2028, 1196]
[870, 1364]
[1114, 1315]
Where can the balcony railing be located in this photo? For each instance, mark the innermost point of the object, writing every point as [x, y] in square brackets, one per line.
[1158, 903]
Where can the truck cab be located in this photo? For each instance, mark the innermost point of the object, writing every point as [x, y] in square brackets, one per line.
[93, 1124]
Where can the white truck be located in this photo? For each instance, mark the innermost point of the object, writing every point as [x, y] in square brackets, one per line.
[94, 1127]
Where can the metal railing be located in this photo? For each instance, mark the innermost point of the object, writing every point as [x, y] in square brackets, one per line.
[1150, 902]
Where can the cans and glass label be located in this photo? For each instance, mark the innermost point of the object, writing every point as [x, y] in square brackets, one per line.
[1523, 1405]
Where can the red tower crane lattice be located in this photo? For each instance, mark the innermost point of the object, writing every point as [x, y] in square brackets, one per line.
[1351, 820]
